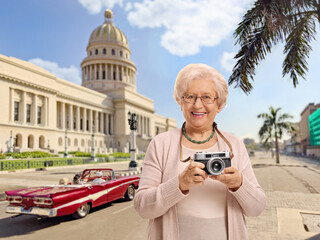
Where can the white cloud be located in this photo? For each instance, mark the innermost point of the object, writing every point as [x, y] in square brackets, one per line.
[71, 74]
[227, 61]
[189, 25]
[95, 6]
[128, 6]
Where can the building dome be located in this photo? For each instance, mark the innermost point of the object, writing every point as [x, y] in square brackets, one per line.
[108, 32]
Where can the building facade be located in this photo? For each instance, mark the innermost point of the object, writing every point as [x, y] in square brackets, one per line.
[304, 126]
[40, 111]
[314, 129]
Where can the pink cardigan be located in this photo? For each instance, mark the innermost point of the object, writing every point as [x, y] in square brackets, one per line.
[159, 191]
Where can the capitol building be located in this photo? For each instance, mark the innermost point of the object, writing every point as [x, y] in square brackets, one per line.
[40, 111]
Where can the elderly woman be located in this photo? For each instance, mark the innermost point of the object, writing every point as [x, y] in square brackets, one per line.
[177, 196]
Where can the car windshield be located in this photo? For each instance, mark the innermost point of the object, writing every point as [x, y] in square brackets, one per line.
[92, 174]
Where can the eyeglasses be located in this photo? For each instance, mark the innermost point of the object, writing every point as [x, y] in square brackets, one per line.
[204, 99]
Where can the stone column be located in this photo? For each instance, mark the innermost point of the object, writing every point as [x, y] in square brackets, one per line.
[90, 120]
[100, 71]
[127, 76]
[35, 110]
[111, 123]
[95, 72]
[122, 74]
[112, 72]
[84, 120]
[101, 122]
[11, 105]
[23, 107]
[117, 72]
[134, 78]
[70, 117]
[77, 118]
[107, 124]
[63, 116]
[142, 125]
[106, 70]
[45, 112]
[91, 73]
[96, 122]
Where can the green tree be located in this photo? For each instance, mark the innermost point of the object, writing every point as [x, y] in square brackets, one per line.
[274, 125]
[267, 23]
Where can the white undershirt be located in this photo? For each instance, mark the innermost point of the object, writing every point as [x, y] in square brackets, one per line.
[203, 213]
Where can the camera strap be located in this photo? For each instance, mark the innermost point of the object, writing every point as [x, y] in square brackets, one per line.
[214, 125]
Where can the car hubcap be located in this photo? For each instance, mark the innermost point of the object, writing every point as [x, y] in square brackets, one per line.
[131, 192]
[83, 210]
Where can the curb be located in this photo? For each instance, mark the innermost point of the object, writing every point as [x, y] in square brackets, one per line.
[67, 166]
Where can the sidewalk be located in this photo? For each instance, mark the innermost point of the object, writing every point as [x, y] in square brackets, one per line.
[293, 200]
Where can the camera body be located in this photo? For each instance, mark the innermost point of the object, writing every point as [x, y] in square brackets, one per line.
[214, 162]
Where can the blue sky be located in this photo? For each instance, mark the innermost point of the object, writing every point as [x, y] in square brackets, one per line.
[164, 36]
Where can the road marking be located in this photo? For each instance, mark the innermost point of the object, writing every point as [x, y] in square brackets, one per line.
[123, 209]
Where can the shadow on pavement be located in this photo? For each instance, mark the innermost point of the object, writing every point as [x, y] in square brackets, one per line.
[23, 224]
[316, 237]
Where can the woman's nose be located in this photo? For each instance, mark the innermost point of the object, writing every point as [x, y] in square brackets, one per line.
[198, 102]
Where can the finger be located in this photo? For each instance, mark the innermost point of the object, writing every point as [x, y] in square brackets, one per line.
[194, 164]
[199, 172]
[198, 179]
[231, 169]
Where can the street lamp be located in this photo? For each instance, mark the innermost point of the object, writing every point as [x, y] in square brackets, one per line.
[132, 120]
[92, 143]
[66, 144]
[10, 143]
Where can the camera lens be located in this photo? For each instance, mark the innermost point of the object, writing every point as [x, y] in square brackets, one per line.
[215, 166]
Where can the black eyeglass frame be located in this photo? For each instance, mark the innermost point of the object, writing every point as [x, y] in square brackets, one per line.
[201, 99]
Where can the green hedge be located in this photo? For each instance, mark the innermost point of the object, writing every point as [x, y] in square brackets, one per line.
[34, 154]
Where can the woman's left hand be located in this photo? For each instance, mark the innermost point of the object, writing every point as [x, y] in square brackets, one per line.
[230, 177]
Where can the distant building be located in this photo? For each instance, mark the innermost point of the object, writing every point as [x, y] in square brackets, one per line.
[314, 128]
[40, 111]
[248, 141]
[304, 126]
[293, 144]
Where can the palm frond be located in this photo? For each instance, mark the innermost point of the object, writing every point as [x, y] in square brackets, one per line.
[264, 25]
[298, 47]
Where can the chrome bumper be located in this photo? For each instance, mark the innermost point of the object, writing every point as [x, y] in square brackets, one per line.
[49, 212]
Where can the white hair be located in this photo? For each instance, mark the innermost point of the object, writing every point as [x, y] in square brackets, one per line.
[200, 71]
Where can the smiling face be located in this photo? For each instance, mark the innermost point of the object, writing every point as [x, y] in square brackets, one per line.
[199, 116]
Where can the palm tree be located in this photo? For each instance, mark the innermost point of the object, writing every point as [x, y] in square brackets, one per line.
[273, 126]
[267, 23]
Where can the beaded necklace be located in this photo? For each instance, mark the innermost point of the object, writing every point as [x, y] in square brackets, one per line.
[194, 141]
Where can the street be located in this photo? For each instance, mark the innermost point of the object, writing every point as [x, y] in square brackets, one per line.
[292, 212]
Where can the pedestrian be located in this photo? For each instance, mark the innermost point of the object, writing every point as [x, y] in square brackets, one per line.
[99, 179]
[175, 192]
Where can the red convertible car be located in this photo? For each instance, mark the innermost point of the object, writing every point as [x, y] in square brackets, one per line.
[75, 199]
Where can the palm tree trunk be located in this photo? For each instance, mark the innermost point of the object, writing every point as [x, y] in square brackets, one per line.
[277, 150]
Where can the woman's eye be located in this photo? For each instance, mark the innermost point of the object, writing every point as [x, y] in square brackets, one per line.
[190, 97]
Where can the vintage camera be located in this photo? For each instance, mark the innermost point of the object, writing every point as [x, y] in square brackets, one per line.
[214, 162]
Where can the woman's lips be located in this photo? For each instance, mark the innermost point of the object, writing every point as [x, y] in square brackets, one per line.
[198, 114]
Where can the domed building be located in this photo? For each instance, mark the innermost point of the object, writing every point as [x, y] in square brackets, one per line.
[108, 65]
[44, 112]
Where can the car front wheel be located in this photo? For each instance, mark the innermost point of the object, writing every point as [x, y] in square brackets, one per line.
[130, 193]
[82, 211]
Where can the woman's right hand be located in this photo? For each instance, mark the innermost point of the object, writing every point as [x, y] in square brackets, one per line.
[193, 175]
